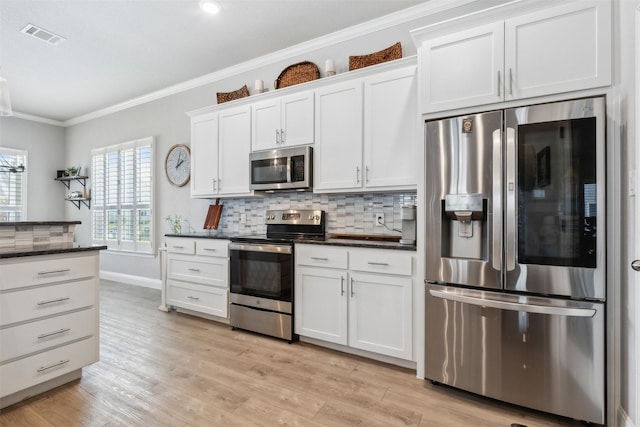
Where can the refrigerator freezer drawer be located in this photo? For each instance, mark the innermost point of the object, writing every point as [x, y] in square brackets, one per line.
[542, 353]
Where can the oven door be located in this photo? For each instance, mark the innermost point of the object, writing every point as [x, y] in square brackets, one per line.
[262, 270]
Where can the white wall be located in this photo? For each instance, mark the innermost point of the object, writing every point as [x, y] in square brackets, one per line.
[625, 98]
[45, 145]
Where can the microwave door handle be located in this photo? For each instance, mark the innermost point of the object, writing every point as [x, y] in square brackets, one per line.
[513, 306]
[496, 202]
[289, 167]
[510, 237]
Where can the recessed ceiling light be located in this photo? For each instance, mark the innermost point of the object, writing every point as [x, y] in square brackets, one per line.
[209, 6]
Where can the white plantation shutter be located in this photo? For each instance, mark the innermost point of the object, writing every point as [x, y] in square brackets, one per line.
[123, 196]
[13, 186]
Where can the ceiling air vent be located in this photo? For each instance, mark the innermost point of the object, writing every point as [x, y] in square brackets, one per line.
[42, 34]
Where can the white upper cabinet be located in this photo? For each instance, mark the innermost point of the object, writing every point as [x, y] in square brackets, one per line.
[235, 145]
[220, 146]
[338, 149]
[463, 69]
[391, 130]
[367, 133]
[204, 154]
[554, 50]
[560, 49]
[283, 122]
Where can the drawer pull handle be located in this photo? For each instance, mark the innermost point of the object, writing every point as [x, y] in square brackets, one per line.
[45, 368]
[378, 263]
[319, 258]
[195, 270]
[178, 247]
[209, 249]
[44, 273]
[192, 297]
[50, 334]
[53, 301]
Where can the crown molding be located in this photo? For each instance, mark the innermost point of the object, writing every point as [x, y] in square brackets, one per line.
[406, 15]
[39, 119]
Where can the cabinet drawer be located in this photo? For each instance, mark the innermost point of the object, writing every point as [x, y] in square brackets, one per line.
[321, 256]
[30, 271]
[212, 247]
[181, 246]
[33, 303]
[204, 299]
[42, 334]
[27, 372]
[381, 261]
[209, 271]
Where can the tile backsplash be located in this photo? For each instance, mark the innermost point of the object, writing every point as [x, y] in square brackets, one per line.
[346, 213]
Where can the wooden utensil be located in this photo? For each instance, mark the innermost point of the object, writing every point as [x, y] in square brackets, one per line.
[213, 216]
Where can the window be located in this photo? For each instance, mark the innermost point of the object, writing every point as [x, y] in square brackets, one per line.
[13, 185]
[122, 196]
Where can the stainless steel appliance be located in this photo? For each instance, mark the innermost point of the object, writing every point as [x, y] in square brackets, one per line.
[283, 169]
[261, 272]
[516, 284]
[408, 218]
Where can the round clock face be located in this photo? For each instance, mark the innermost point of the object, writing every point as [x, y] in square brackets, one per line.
[178, 165]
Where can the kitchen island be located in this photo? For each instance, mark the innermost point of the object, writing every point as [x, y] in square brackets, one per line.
[49, 308]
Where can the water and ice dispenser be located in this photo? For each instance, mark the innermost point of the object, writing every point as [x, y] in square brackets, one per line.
[464, 226]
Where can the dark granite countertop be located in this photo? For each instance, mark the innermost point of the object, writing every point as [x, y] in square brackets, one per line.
[361, 243]
[49, 250]
[32, 223]
[200, 235]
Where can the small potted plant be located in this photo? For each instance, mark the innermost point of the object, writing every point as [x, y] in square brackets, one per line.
[175, 223]
[71, 171]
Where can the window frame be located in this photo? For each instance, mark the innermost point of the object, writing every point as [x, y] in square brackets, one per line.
[105, 202]
[15, 152]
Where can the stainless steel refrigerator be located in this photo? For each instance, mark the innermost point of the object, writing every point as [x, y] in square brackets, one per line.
[516, 256]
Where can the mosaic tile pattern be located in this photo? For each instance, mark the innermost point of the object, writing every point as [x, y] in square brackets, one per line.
[36, 237]
[346, 213]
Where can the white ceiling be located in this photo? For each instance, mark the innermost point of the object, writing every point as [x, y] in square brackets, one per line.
[118, 50]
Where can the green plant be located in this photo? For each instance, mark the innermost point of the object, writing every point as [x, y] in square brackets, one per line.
[71, 171]
[175, 223]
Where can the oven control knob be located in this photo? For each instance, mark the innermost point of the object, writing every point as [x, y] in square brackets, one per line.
[317, 217]
[310, 216]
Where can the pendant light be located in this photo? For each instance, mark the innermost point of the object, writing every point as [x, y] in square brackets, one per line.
[5, 98]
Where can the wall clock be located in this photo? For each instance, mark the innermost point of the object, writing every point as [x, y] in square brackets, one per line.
[177, 165]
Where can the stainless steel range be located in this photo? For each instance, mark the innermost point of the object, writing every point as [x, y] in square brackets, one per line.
[262, 272]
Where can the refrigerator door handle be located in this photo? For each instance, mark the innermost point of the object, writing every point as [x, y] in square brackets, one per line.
[511, 184]
[496, 202]
[514, 306]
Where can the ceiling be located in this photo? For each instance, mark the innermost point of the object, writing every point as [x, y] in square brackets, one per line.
[119, 50]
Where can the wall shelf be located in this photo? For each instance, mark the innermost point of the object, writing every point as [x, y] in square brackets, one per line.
[77, 201]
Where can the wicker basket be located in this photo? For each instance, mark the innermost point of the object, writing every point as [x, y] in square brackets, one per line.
[230, 96]
[388, 54]
[296, 74]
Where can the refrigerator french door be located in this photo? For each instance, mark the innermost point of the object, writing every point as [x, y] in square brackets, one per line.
[515, 269]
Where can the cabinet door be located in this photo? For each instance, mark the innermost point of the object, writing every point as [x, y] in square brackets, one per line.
[380, 315]
[558, 49]
[321, 304]
[265, 120]
[297, 119]
[338, 148]
[235, 145]
[463, 69]
[391, 130]
[204, 155]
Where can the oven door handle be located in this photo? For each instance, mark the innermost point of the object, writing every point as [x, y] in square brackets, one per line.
[251, 247]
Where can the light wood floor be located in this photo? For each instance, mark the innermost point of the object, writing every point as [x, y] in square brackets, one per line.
[170, 369]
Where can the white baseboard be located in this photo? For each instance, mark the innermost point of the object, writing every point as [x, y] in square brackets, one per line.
[132, 280]
[623, 419]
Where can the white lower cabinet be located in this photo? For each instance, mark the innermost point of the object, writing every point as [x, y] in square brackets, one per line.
[198, 275]
[48, 321]
[338, 303]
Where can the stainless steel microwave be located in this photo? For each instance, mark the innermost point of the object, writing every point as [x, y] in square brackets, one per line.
[282, 169]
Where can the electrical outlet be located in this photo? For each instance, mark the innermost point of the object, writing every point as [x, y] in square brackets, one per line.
[379, 220]
[243, 218]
